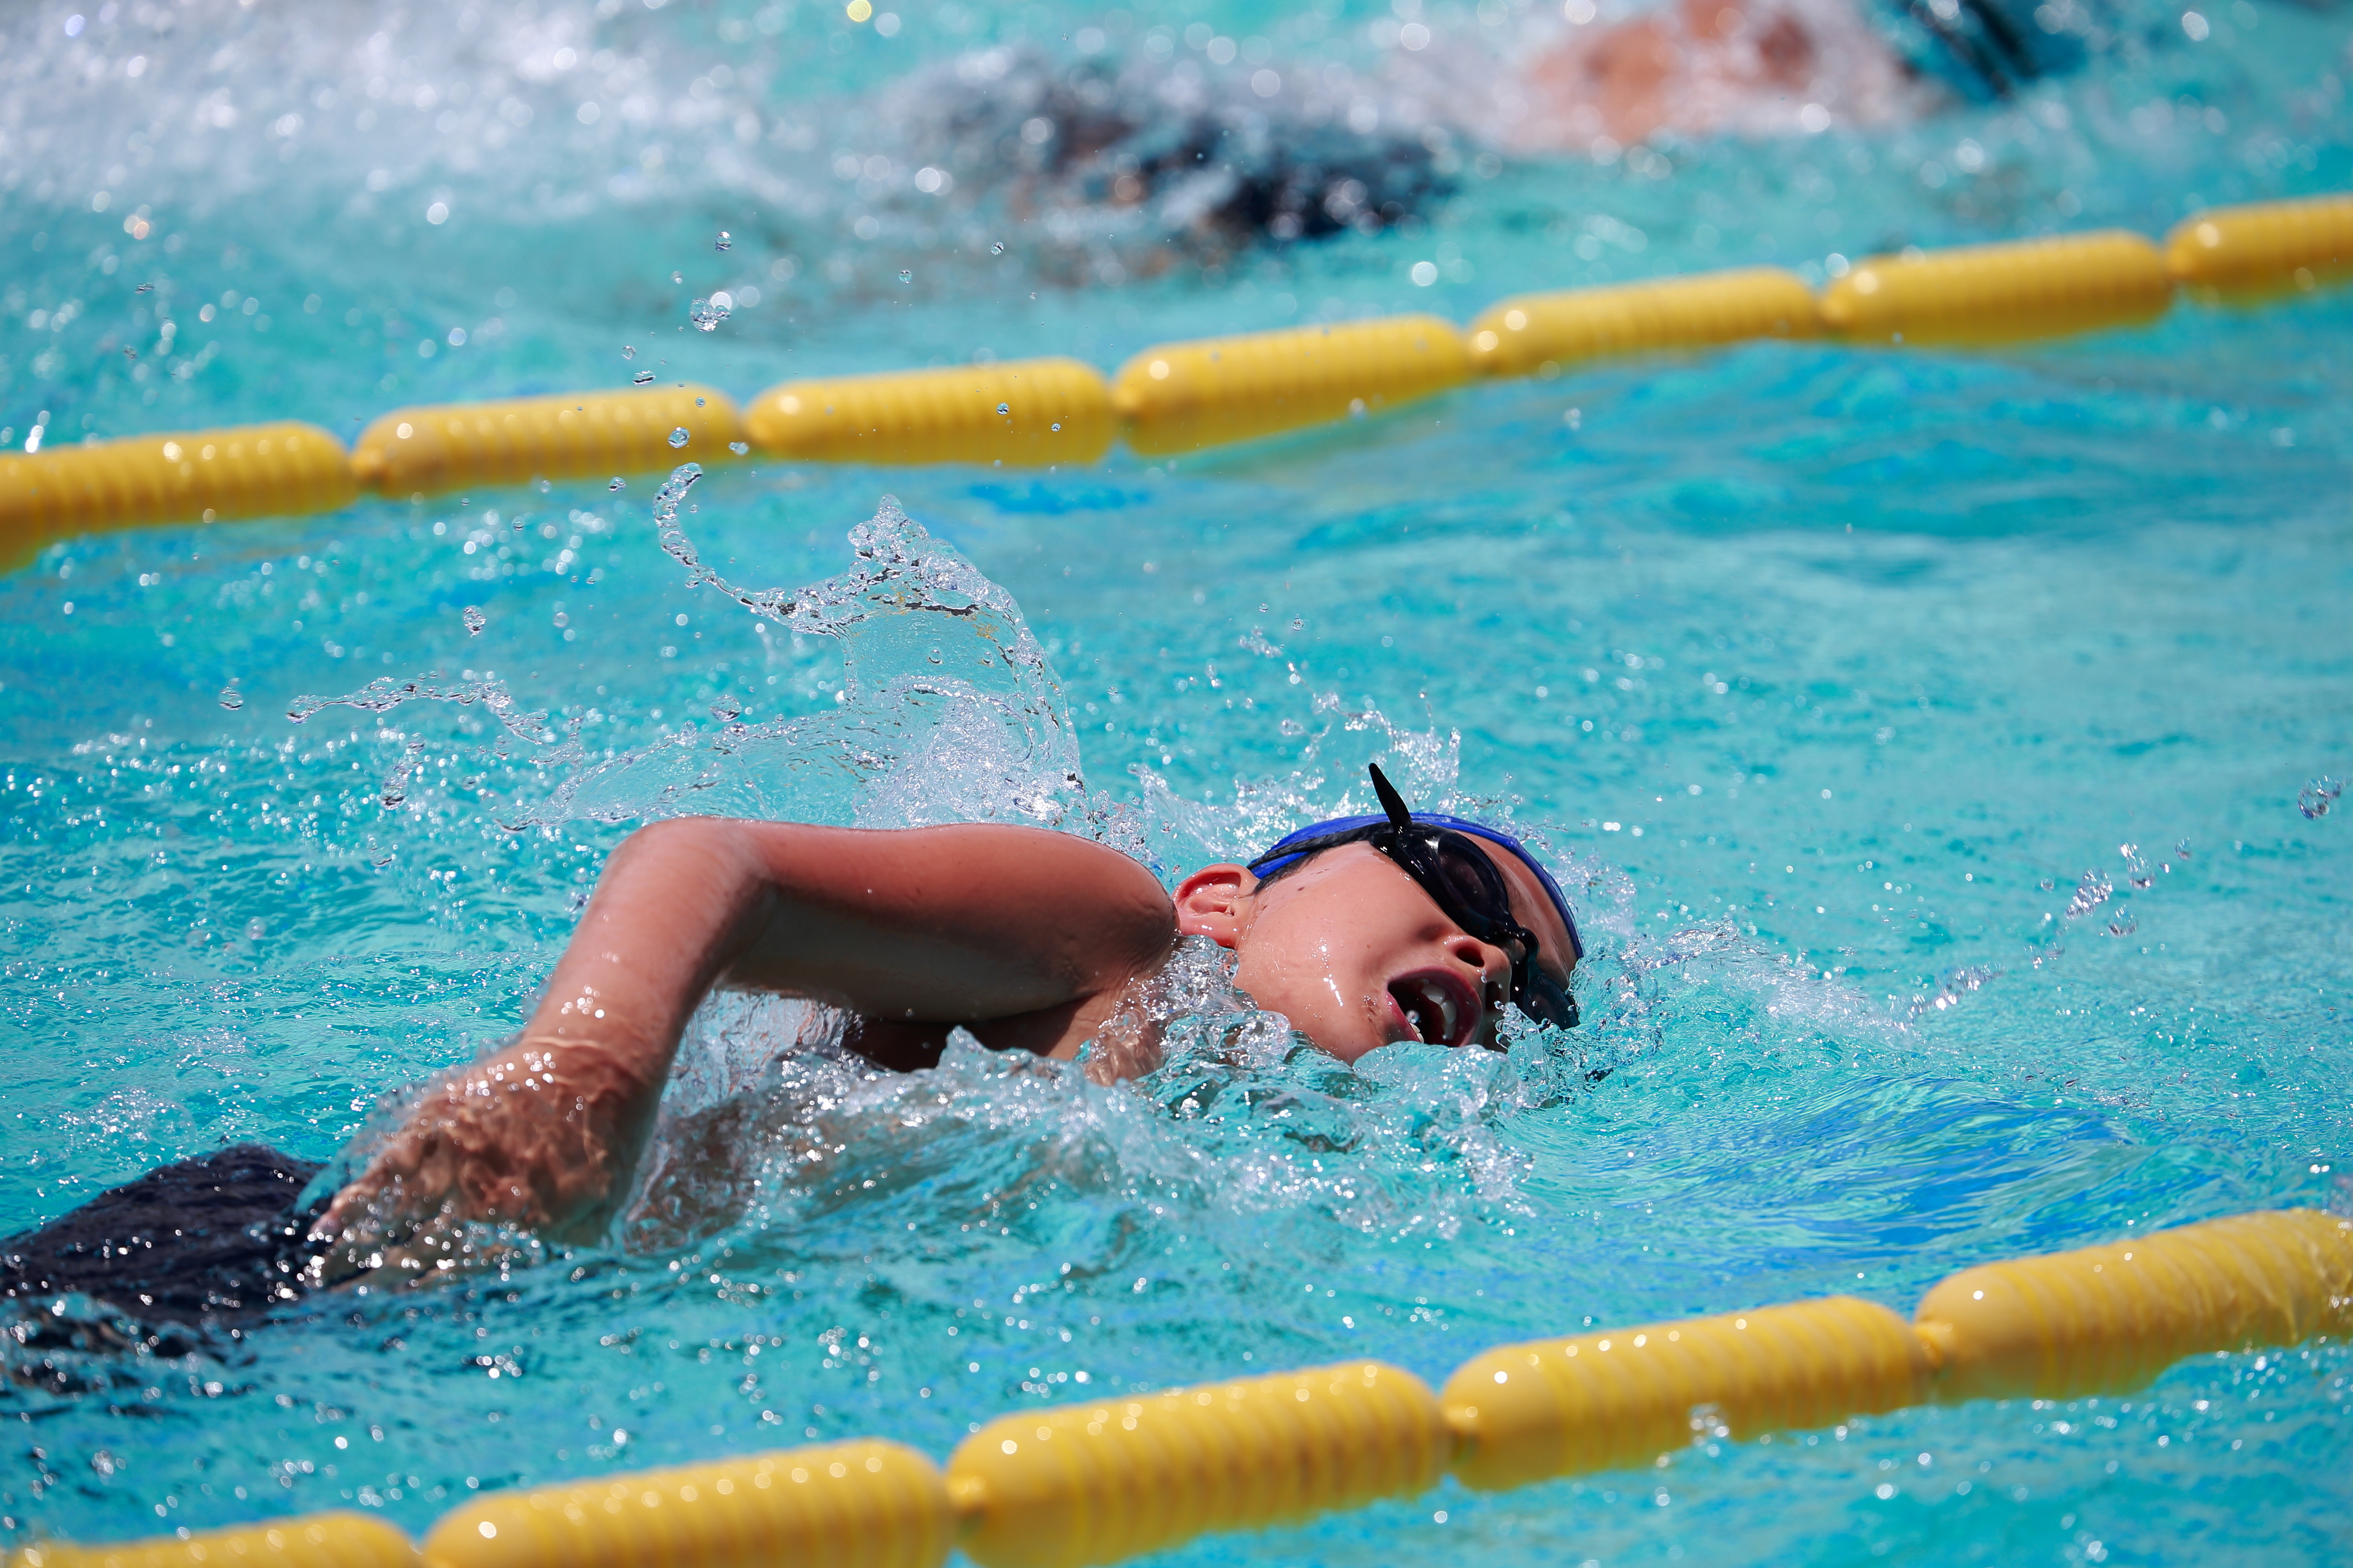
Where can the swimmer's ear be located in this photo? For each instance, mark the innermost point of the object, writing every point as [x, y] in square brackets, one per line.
[1211, 903]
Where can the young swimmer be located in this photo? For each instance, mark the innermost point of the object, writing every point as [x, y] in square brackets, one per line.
[1363, 931]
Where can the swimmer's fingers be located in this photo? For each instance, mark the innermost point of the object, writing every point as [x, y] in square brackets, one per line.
[394, 1166]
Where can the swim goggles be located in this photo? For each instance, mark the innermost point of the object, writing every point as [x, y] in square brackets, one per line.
[1438, 853]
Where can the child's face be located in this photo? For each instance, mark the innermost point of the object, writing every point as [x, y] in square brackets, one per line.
[1352, 950]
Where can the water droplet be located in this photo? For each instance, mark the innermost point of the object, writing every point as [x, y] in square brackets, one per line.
[2089, 895]
[474, 618]
[1058, 425]
[906, 276]
[2182, 850]
[723, 241]
[726, 713]
[644, 378]
[679, 437]
[997, 249]
[629, 352]
[1005, 408]
[617, 483]
[231, 698]
[739, 447]
[677, 276]
[706, 314]
[2319, 795]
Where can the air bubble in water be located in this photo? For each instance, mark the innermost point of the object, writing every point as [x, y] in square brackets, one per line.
[2319, 795]
[617, 483]
[706, 314]
[645, 377]
[679, 437]
[474, 618]
[997, 249]
[629, 352]
[231, 698]
[723, 241]
[739, 447]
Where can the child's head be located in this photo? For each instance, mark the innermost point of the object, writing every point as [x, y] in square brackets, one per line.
[1366, 932]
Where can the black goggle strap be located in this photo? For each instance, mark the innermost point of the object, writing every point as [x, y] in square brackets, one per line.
[1399, 814]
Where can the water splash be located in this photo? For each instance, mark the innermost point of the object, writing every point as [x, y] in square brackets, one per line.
[383, 694]
[396, 783]
[984, 736]
[2090, 894]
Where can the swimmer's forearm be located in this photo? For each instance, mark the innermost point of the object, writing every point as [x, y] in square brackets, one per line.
[951, 924]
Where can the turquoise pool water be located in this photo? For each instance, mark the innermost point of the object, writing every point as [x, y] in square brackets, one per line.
[1839, 681]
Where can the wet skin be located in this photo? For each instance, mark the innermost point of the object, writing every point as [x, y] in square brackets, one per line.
[1029, 939]
[1354, 953]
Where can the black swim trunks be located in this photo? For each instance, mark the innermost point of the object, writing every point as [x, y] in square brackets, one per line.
[211, 1242]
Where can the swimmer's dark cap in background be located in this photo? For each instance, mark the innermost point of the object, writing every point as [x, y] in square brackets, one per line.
[1294, 847]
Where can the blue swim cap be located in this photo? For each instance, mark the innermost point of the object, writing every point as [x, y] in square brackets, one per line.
[1283, 853]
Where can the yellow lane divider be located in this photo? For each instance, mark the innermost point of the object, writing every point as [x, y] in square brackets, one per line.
[425, 451]
[1095, 1483]
[341, 1539]
[1025, 413]
[1979, 294]
[1176, 397]
[854, 1505]
[2114, 1317]
[1537, 334]
[209, 476]
[1179, 397]
[1606, 1401]
[2272, 247]
[1103, 1482]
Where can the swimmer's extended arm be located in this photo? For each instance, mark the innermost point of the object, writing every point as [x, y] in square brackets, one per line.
[1036, 931]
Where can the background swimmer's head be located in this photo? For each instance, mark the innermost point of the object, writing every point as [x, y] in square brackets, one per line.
[1352, 950]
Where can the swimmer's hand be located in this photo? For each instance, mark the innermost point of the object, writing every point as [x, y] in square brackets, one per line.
[510, 1143]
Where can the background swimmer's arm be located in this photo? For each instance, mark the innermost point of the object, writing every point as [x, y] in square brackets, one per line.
[961, 924]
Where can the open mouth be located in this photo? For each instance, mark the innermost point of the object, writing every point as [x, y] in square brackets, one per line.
[1441, 1009]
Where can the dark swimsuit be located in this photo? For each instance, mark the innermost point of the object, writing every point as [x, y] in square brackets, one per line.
[214, 1242]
